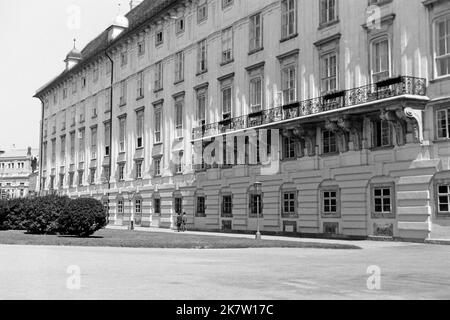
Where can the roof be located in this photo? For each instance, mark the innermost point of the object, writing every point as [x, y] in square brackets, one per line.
[18, 153]
[142, 13]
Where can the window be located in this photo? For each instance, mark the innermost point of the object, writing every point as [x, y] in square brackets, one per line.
[74, 86]
[158, 76]
[158, 123]
[443, 198]
[330, 203]
[95, 73]
[65, 93]
[53, 152]
[108, 99]
[63, 149]
[329, 142]
[202, 12]
[140, 85]
[138, 206]
[122, 133]
[121, 172]
[157, 206]
[328, 12]
[256, 32]
[256, 93]
[380, 60]
[120, 206]
[179, 26]
[227, 206]
[227, 45]
[123, 58]
[92, 176]
[289, 206]
[201, 107]
[227, 99]
[202, 57]
[94, 107]
[107, 173]
[179, 67]
[179, 163]
[442, 40]
[141, 48]
[55, 99]
[140, 129]
[107, 139]
[80, 178]
[201, 207]
[123, 93]
[179, 106]
[178, 205]
[256, 205]
[94, 143]
[157, 166]
[288, 18]
[72, 147]
[329, 72]
[82, 145]
[382, 200]
[289, 151]
[52, 183]
[382, 133]
[226, 3]
[443, 123]
[159, 38]
[138, 169]
[289, 84]
[83, 82]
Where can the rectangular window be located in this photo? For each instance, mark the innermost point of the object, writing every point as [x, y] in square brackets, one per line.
[382, 199]
[157, 206]
[107, 139]
[140, 129]
[227, 101]
[94, 143]
[158, 123]
[95, 74]
[201, 207]
[82, 145]
[179, 67]
[138, 169]
[123, 58]
[159, 38]
[289, 84]
[382, 133]
[72, 147]
[329, 142]
[94, 107]
[256, 205]
[179, 26]
[179, 163]
[226, 3]
[122, 133]
[179, 106]
[380, 60]
[141, 48]
[328, 11]
[330, 202]
[120, 207]
[121, 172]
[202, 12]
[289, 203]
[443, 195]
[63, 149]
[178, 205]
[140, 85]
[443, 123]
[288, 18]
[256, 94]
[256, 32]
[80, 178]
[123, 93]
[202, 65]
[53, 152]
[201, 107]
[65, 93]
[157, 166]
[289, 151]
[158, 76]
[329, 72]
[92, 176]
[442, 43]
[227, 206]
[227, 45]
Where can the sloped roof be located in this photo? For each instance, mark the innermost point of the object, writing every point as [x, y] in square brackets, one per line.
[18, 153]
[145, 11]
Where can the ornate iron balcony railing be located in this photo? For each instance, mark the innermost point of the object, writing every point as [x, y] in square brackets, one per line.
[389, 88]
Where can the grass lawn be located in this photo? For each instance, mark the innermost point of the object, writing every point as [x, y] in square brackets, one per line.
[135, 239]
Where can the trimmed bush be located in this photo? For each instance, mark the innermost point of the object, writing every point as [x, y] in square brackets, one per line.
[82, 218]
[16, 211]
[43, 213]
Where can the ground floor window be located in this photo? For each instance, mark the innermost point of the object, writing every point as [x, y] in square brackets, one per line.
[256, 207]
[227, 206]
[92, 176]
[201, 207]
[289, 203]
[330, 202]
[329, 142]
[157, 206]
[80, 178]
[178, 205]
[120, 206]
[443, 197]
[382, 198]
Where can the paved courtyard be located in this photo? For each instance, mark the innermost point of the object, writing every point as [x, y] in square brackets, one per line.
[407, 271]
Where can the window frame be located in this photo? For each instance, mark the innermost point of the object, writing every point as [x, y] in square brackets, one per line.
[140, 123]
[392, 199]
[439, 183]
[329, 145]
[326, 76]
[446, 18]
[286, 11]
[373, 59]
[256, 42]
[289, 214]
[331, 214]
[227, 45]
[202, 56]
[202, 12]
[325, 11]
[445, 109]
[158, 119]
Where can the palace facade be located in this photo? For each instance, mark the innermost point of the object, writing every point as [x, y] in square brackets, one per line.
[353, 98]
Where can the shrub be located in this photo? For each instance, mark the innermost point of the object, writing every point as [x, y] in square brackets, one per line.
[3, 214]
[82, 217]
[16, 210]
[43, 213]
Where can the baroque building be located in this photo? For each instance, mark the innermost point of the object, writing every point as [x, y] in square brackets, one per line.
[17, 168]
[349, 100]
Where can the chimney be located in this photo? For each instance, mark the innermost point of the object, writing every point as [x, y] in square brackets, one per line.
[134, 4]
[29, 152]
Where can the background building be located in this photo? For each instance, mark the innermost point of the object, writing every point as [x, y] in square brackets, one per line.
[16, 168]
[359, 91]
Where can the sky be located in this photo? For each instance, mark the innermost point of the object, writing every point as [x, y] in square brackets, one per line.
[35, 37]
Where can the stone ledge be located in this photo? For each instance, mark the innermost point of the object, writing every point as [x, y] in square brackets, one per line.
[437, 241]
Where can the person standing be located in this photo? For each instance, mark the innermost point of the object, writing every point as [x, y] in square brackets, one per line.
[179, 222]
[184, 221]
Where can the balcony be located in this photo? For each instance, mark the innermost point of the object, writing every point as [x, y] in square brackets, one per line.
[390, 88]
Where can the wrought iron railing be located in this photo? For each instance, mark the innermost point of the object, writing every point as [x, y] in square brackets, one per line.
[389, 88]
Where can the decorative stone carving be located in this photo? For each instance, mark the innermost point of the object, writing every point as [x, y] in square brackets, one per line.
[398, 123]
[418, 116]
